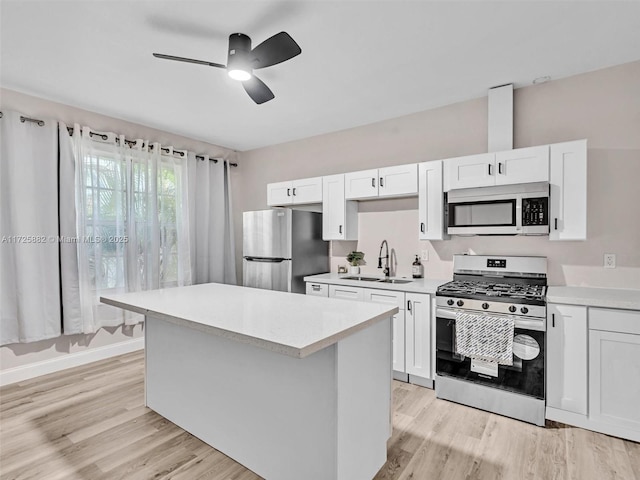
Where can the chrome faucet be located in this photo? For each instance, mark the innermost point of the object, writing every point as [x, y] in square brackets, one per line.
[386, 270]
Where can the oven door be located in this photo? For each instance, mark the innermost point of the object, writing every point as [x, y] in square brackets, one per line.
[525, 376]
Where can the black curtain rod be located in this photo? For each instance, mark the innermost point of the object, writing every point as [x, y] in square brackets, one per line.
[132, 142]
[40, 123]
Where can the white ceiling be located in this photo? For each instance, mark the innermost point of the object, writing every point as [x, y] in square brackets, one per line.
[361, 61]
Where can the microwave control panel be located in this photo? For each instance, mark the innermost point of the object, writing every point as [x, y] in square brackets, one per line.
[535, 211]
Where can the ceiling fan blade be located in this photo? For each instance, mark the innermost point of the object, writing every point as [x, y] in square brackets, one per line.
[257, 90]
[188, 60]
[275, 50]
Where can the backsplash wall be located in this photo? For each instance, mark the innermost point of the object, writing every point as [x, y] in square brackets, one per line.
[601, 106]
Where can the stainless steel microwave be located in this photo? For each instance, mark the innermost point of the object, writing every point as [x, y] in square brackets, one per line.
[502, 210]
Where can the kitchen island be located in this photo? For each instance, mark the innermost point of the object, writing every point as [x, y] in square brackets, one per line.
[288, 385]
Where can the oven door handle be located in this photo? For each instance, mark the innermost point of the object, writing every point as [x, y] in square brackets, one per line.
[446, 313]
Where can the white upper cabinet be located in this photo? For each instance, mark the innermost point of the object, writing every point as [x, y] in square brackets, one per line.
[568, 191]
[566, 358]
[295, 192]
[430, 201]
[339, 216]
[523, 165]
[396, 181]
[470, 171]
[362, 184]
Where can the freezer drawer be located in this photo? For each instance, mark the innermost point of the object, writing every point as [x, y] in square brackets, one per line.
[270, 274]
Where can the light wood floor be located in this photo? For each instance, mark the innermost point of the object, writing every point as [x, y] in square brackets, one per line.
[90, 422]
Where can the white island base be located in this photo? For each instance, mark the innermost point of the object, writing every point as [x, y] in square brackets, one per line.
[325, 416]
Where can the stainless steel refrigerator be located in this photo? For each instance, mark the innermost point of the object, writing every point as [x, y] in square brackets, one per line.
[282, 246]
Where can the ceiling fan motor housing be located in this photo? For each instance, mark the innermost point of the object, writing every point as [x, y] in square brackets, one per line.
[239, 52]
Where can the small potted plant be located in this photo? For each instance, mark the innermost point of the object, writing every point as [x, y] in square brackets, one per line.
[354, 259]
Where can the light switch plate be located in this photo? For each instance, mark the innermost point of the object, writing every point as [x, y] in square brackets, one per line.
[609, 260]
[424, 254]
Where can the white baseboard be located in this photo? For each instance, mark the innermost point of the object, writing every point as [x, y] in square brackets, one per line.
[32, 370]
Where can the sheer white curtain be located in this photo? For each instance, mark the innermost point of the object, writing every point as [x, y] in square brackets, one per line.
[131, 222]
[29, 280]
[213, 245]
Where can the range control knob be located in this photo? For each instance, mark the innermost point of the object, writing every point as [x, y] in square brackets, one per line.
[449, 302]
[524, 310]
[459, 303]
[485, 305]
[512, 308]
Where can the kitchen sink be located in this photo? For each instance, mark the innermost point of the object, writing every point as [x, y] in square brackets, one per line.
[394, 280]
[362, 279]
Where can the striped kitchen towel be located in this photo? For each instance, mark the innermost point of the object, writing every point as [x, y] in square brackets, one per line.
[485, 337]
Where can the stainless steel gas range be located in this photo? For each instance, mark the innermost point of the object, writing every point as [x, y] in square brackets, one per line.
[488, 290]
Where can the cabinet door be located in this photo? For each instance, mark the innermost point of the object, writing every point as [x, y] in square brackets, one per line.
[614, 370]
[418, 334]
[430, 201]
[347, 293]
[400, 180]
[317, 289]
[279, 194]
[389, 297]
[307, 190]
[566, 360]
[339, 216]
[469, 172]
[523, 165]
[359, 185]
[568, 191]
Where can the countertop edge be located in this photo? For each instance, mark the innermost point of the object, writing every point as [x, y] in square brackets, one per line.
[597, 297]
[405, 287]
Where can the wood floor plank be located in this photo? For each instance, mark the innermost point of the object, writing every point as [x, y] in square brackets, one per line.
[90, 422]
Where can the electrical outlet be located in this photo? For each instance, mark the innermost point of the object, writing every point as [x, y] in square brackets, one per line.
[424, 254]
[609, 260]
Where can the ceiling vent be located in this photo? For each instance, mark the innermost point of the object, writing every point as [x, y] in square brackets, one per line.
[501, 118]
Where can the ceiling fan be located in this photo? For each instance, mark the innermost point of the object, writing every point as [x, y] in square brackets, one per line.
[242, 60]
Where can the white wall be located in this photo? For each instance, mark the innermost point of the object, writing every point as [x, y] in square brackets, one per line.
[602, 106]
[23, 354]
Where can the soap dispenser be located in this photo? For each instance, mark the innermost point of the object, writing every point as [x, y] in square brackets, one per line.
[417, 268]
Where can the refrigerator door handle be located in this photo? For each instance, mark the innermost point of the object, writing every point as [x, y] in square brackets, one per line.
[265, 259]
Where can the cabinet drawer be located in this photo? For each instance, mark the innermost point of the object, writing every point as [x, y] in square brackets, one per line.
[347, 293]
[318, 289]
[612, 320]
[386, 297]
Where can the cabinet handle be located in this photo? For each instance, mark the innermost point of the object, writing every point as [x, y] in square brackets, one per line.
[555, 224]
[288, 192]
[422, 227]
[409, 305]
[339, 228]
[373, 182]
[500, 167]
[489, 165]
[316, 288]
[553, 320]
[381, 182]
[294, 191]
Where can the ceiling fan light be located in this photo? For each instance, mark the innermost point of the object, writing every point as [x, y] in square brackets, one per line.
[240, 75]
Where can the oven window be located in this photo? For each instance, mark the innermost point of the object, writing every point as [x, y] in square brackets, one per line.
[483, 214]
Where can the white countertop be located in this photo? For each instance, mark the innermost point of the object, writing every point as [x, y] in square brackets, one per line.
[417, 285]
[595, 297]
[288, 323]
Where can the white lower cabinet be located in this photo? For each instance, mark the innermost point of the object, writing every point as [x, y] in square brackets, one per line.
[412, 337]
[418, 335]
[346, 293]
[593, 369]
[614, 371]
[389, 297]
[567, 358]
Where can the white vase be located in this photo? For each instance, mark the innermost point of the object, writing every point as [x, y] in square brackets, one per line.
[354, 270]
